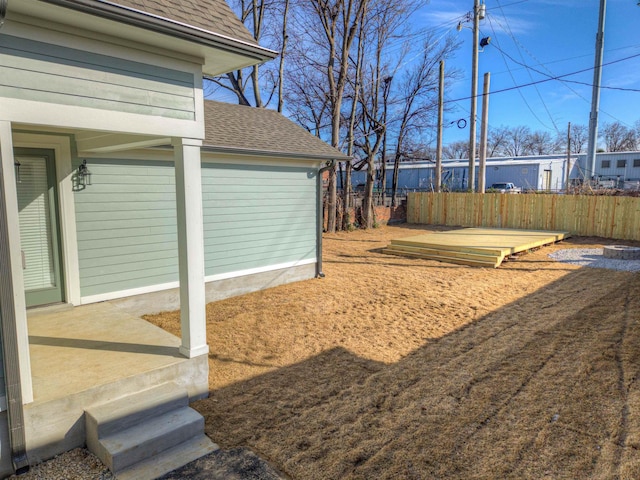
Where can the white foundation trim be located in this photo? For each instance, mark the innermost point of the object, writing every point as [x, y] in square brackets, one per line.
[253, 271]
[103, 297]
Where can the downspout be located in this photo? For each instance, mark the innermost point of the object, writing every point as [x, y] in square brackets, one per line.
[330, 165]
[15, 414]
[3, 11]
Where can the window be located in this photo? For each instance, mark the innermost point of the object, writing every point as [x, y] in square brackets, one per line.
[621, 163]
[606, 163]
[636, 163]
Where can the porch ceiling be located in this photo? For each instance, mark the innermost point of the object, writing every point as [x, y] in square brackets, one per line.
[93, 141]
[98, 142]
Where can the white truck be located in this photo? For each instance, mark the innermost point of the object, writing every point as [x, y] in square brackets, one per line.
[506, 187]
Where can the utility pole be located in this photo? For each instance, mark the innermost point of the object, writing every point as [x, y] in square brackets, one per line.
[590, 164]
[484, 130]
[440, 124]
[566, 185]
[474, 95]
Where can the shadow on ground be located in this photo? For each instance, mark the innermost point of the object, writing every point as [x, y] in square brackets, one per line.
[545, 387]
[232, 464]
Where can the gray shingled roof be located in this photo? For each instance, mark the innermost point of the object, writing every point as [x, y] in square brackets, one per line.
[236, 127]
[211, 15]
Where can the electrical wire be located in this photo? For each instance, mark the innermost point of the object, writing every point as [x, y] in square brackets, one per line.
[565, 81]
[552, 77]
[587, 55]
[508, 5]
[510, 33]
[558, 77]
[513, 79]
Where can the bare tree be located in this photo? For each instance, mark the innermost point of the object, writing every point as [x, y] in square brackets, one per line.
[283, 52]
[385, 20]
[456, 150]
[541, 143]
[262, 18]
[618, 138]
[351, 126]
[417, 106]
[373, 129]
[516, 141]
[307, 99]
[339, 21]
[579, 138]
[496, 141]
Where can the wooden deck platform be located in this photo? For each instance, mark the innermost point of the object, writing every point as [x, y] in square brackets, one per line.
[478, 247]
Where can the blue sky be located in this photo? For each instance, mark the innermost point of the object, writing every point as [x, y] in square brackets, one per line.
[556, 37]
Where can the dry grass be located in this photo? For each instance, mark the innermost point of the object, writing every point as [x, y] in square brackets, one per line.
[402, 368]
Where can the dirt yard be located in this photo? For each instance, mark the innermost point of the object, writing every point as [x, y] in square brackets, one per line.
[402, 368]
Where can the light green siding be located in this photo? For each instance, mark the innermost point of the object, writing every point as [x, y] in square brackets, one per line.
[254, 217]
[31, 70]
[126, 226]
[257, 216]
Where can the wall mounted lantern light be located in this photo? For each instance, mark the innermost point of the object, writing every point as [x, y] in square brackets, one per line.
[84, 175]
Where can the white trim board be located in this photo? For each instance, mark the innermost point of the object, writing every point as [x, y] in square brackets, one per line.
[253, 271]
[257, 159]
[103, 297]
[70, 116]
[61, 145]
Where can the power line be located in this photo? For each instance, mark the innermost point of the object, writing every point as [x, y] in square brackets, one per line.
[559, 77]
[510, 33]
[507, 5]
[514, 81]
[564, 82]
[560, 60]
[551, 77]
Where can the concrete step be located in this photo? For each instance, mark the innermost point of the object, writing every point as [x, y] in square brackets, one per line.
[150, 437]
[128, 433]
[117, 415]
[169, 460]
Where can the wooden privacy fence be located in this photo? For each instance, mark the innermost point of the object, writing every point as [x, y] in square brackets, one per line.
[602, 216]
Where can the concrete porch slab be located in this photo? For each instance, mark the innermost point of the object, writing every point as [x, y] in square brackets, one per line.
[90, 355]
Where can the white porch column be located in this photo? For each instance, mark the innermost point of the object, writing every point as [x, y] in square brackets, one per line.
[11, 211]
[190, 247]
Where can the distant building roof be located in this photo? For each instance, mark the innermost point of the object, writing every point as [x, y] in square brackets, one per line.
[211, 15]
[258, 130]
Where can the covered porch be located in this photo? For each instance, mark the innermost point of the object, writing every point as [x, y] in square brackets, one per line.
[60, 246]
[78, 352]
[92, 354]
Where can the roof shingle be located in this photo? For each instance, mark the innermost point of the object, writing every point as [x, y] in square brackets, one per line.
[238, 127]
[211, 15]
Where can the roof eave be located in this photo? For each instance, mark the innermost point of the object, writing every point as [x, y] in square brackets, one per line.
[166, 26]
[274, 153]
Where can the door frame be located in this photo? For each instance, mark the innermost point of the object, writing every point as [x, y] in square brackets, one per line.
[55, 294]
[546, 179]
[61, 146]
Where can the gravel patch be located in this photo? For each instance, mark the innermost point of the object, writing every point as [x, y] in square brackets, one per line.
[594, 258]
[233, 464]
[78, 464]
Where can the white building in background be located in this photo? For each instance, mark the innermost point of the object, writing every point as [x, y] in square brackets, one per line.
[533, 173]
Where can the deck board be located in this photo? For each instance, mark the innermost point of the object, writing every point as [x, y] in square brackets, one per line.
[473, 246]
